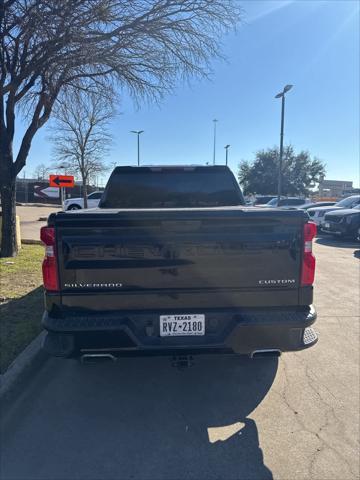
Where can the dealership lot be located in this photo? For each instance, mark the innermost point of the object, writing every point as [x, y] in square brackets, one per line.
[296, 417]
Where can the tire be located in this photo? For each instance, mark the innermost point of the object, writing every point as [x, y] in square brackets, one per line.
[74, 207]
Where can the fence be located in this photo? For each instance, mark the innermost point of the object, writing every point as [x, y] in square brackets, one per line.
[38, 191]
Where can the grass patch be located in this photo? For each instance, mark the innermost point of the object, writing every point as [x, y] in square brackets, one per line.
[21, 301]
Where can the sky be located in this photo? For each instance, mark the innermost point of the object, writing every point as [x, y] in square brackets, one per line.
[313, 45]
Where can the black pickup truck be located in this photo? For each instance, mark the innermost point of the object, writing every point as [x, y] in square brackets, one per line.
[172, 262]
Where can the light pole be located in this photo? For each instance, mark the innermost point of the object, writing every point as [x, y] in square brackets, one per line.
[214, 151]
[282, 96]
[63, 166]
[226, 154]
[138, 133]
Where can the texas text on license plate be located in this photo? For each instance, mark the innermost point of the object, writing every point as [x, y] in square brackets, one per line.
[179, 325]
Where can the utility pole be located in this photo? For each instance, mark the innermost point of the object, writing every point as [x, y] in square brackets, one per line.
[282, 96]
[214, 151]
[138, 133]
[226, 154]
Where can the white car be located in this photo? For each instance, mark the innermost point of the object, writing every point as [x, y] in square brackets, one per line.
[78, 203]
[287, 202]
[317, 214]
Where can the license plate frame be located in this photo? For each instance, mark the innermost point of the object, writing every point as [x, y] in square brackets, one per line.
[186, 325]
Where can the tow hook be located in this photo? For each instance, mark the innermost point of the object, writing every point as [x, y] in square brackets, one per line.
[182, 361]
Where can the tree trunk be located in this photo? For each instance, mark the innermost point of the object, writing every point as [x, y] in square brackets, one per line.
[84, 191]
[8, 228]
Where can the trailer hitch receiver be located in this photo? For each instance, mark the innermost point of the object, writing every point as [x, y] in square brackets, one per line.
[182, 361]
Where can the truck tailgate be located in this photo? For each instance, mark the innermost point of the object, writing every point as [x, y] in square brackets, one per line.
[180, 258]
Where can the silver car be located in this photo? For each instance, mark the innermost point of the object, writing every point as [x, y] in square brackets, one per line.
[317, 214]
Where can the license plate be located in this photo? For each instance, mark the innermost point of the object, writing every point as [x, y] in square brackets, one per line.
[327, 225]
[182, 325]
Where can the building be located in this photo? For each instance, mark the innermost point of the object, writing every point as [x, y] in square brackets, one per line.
[30, 190]
[334, 188]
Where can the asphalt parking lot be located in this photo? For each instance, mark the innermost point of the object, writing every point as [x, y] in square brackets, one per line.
[296, 417]
[29, 219]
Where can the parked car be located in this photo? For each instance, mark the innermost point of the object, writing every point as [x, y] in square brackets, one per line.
[317, 204]
[343, 223]
[317, 214]
[172, 262]
[263, 200]
[78, 203]
[288, 202]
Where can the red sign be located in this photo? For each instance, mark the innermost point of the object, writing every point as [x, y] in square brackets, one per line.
[61, 181]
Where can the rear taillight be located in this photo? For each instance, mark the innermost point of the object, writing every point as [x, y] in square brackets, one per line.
[49, 266]
[308, 263]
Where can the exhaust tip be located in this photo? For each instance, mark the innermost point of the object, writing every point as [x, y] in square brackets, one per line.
[265, 353]
[94, 358]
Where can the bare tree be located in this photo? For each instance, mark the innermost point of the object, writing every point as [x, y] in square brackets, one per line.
[41, 172]
[48, 46]
[80, 135]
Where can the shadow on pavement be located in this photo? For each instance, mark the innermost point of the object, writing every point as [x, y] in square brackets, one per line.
[336, 242]
[140, 418]
[357, 254]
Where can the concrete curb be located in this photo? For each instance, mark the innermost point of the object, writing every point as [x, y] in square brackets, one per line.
[52, 205]
[22, 364]
[30, 241]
